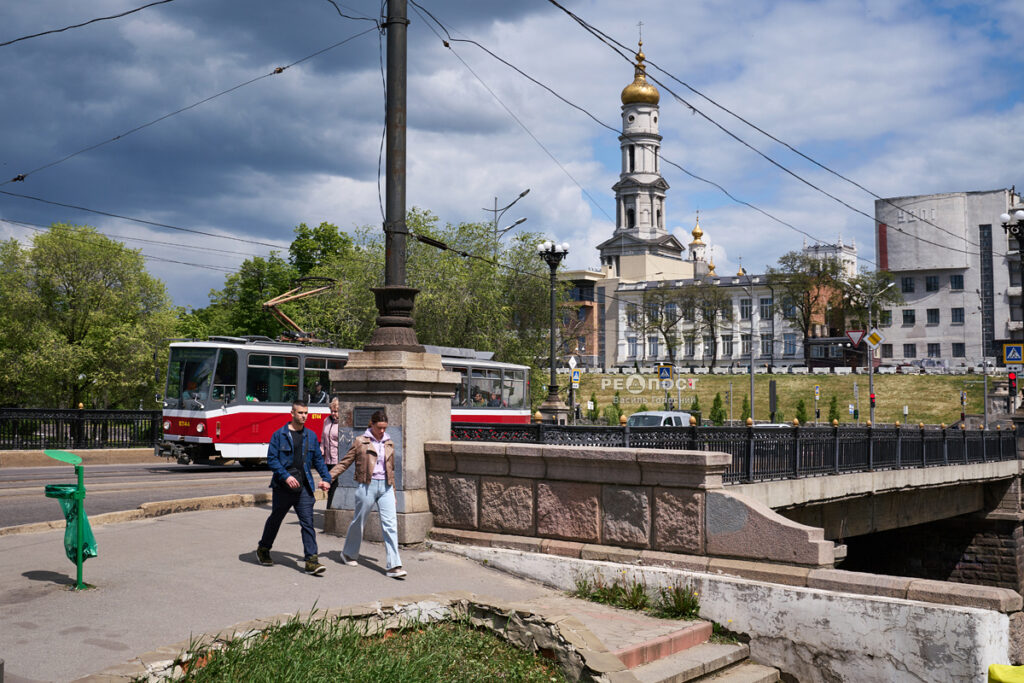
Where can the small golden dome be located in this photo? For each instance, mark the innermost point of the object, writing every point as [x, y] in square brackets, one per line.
[711, 268]
[640, 91]
[697, 233]
[741, 272]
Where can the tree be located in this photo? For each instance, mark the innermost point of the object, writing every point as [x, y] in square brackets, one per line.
[314, 247]
[833, 409]
[662, 310]
[593, 413]
[717, 414]
[801, 411]
[745, 410]
[695, 405]
[711, 307]
[807, 287]
[81, 319]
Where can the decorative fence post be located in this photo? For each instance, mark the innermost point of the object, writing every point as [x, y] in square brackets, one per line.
[871, 449]
[796, 449]
[945, 446]
[750, 450]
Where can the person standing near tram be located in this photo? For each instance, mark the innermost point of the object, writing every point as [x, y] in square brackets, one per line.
[374, 456]
[329, 444]
[293, 450]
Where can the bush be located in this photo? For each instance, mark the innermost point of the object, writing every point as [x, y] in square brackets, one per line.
[593, 413]
[801, 411]
[611, 414]
[833, 409]
[717, 414]
[745, 411]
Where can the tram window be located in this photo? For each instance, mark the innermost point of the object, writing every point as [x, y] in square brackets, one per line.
[485, 388]
[315, 375]
[514, 388]
[273, 379]
[225, 379]
[459, 397]
[188, 374]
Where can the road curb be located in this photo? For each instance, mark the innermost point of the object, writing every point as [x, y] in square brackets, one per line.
[149, 510]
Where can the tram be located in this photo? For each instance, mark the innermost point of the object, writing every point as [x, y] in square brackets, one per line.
[226, 396]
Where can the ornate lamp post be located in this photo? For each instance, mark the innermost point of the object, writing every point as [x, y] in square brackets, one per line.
[553, 407]
[498, 213]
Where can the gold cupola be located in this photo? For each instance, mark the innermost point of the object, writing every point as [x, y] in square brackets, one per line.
[697, 233]
[711, 268]
[640, 91]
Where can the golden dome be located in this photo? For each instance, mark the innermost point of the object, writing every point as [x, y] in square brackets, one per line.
[711, 268]
[640, 91]
[697, 233]
[741, 272]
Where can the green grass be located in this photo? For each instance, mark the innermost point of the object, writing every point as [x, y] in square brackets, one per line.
[680, 601]
[331, 650]
[931, 399]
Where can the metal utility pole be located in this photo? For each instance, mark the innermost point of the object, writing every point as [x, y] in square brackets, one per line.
[395, 300]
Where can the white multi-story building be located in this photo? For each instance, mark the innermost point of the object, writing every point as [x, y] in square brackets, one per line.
[959, 274]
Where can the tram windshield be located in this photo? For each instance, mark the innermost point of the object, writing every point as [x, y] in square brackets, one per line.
[189, 374]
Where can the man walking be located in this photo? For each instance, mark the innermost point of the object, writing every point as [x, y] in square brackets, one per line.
[292, 450]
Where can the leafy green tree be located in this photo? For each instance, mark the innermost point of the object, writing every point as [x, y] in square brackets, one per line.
[613, 412]
[745, 410]
[81, 319]
[717, 414]
[711, 309]
[314, 247]
[695, 405]
[833, 409]
[806, 288]
[801, 412]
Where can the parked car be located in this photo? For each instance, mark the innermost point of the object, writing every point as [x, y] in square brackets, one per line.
[659, 418]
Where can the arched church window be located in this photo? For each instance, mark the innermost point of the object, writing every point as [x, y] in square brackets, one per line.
[632, 158]
[630, 218]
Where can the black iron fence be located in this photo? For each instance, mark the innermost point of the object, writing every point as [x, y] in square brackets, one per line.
[34, 429]
[767, 453]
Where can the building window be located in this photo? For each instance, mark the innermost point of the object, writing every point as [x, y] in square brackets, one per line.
[789, 344]
[1016, 313]
[909, 317]
[933, 316]
[766, 346]
[581, 344]
[956, 316]
[632, 158]
[631, 342]
[907, 285]
[910, 350]
[766, 308]
[931, 283]
[709, 346]
[688, 347]
[652, 346]
[745, 344]
[885, 318]
[956, 282]
[671, 312]
[727, 346]
[631, 315]
[933, 350]
[788, 309]
[818, 351]
[1015, 273]
[746, 306]
[959, 349]
[886, 350]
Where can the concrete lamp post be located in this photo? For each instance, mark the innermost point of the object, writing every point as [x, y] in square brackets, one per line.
[553, 408]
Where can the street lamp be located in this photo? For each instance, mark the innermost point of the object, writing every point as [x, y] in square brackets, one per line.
[498, 213]
[1014, 227]
[553, 253]
[870, 296]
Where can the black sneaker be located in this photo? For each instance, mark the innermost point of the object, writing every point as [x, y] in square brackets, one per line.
[263, 555]
[314, 567]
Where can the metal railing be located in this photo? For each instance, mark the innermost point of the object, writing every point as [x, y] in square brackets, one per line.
[33, 429]
[765, 454]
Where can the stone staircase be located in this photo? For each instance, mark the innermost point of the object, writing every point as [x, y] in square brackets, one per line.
[663, 650]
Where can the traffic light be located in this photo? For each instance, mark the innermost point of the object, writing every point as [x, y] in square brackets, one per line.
[872, 400]
[1013, 383]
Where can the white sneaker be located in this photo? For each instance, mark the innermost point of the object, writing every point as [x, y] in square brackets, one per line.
[397, 573]
[345, 559]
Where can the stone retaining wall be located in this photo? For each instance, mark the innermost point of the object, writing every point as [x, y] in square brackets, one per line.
[660, 500]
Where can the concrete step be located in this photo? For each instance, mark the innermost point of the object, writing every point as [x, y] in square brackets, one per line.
[692, 664]
[690, 635]
[747, 672]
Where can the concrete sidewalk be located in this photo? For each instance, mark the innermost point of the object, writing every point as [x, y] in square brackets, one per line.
[159, 581]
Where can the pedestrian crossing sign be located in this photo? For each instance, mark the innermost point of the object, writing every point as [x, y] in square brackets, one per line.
[664, 372]
[1013, 353]
[575, 378]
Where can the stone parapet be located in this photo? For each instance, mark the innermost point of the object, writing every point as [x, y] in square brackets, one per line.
[642, 499]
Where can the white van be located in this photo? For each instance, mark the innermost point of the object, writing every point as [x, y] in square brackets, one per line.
[659, 418]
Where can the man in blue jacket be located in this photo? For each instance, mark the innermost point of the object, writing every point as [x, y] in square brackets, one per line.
[292, 450]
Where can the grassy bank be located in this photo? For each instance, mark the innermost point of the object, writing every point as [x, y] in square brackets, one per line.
[930, 399]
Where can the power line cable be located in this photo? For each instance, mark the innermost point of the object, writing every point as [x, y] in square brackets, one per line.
[627, 55]
[276, 71]
[86, 23]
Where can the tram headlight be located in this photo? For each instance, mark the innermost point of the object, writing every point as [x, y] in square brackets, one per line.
[200, 428]
[167, 425]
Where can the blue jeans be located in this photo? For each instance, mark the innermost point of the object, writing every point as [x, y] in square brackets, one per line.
[379, 493]
[282, 500]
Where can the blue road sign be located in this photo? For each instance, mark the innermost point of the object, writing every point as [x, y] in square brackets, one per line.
[1013, 353]
[575, 378]
[664, 372]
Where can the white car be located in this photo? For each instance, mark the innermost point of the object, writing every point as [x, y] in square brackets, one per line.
[659, 418]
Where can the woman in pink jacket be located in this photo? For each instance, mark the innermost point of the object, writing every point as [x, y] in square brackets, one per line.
[329, 445]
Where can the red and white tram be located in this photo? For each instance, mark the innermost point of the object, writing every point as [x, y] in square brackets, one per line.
[226, 396]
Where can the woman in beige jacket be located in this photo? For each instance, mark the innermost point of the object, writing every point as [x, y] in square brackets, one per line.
[374, 456]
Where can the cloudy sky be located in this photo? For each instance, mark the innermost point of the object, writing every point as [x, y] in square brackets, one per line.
[904, 97]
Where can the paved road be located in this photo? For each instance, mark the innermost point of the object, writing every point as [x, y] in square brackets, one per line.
[110, 488]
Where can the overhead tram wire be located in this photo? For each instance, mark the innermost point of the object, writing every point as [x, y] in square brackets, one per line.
[416, 7]
[276, 71]
[43, 228]
[85, 23]
[626, 53]
[719, 187]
